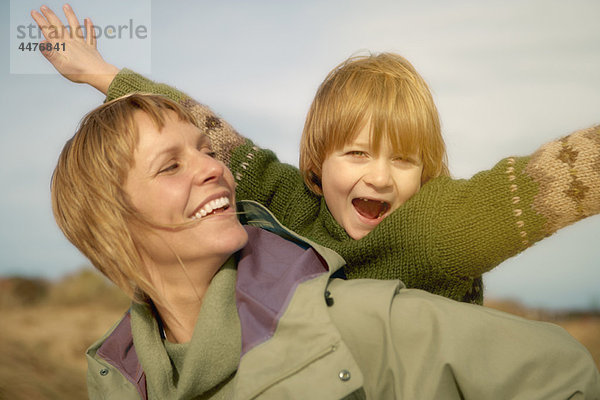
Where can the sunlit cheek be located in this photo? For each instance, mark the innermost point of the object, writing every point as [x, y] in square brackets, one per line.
[172, 197]
[345, 175]
[416, 185]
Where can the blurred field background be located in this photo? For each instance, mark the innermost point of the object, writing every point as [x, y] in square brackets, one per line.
[46, 327]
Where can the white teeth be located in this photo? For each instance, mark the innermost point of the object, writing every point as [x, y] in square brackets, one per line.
[211, 206]
[365, 200]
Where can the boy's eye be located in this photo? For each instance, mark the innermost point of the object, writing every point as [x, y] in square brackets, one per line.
[357, 153]
[405, 160]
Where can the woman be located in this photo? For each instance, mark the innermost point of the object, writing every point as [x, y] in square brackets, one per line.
[223, 310]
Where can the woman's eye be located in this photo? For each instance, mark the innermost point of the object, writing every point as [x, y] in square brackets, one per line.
[204, 149]
[170, 168]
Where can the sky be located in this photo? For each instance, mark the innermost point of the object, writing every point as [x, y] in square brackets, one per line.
[507, 76]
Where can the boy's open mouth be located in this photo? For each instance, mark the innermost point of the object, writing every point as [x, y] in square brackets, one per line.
[372, 209]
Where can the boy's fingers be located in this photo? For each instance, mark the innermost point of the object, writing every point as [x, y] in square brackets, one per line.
[56, 26]
[76, 30]
[91, 33]
[41, 23]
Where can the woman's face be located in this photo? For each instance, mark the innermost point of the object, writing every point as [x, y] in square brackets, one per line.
[176, 180]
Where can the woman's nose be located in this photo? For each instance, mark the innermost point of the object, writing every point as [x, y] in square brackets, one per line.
[206, 169]
[378, 174]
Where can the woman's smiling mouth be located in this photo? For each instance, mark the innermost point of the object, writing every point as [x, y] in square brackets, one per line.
[212, 207]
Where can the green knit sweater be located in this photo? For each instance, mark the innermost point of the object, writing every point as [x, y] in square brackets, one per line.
[447, 235]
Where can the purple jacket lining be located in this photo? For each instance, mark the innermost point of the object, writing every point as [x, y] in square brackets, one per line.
[118, 350]
[266, 281]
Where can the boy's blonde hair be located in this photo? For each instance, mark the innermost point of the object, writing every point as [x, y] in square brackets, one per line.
[386, 90]
[88, 200]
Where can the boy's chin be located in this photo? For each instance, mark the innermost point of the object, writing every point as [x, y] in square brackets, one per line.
[362, 226]
[358, 233]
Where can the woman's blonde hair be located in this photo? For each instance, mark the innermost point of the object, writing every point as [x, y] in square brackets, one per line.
[386, 90]
[88, 199]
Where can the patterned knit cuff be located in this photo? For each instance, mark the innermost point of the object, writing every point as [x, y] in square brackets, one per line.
[223, 138]
[568, 174]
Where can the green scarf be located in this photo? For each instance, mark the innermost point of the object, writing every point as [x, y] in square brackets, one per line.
[205, 367]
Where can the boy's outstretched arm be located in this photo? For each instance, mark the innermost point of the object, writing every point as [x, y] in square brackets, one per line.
[80, 61]
[454, 230]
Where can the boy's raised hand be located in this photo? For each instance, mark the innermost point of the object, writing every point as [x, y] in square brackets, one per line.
[78, 59]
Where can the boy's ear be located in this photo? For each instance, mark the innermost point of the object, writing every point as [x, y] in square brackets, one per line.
[315, 183]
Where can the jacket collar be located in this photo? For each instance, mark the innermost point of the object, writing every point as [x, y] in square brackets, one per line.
[255, 214]
[117, 348]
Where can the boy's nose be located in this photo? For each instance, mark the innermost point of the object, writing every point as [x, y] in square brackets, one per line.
[378, 174]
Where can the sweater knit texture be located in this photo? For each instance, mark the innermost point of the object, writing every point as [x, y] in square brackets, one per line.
[448, 234]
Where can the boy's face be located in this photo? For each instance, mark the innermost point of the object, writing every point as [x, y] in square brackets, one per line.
[361, 187]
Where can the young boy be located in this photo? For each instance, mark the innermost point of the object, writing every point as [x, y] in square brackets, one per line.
[373, 183]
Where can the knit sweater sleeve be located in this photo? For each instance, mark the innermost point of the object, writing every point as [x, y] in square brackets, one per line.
[261, 177]
[467, 227]
[222, 136]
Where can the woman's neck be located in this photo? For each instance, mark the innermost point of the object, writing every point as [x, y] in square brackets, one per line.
[181, 289]
[179, 324]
